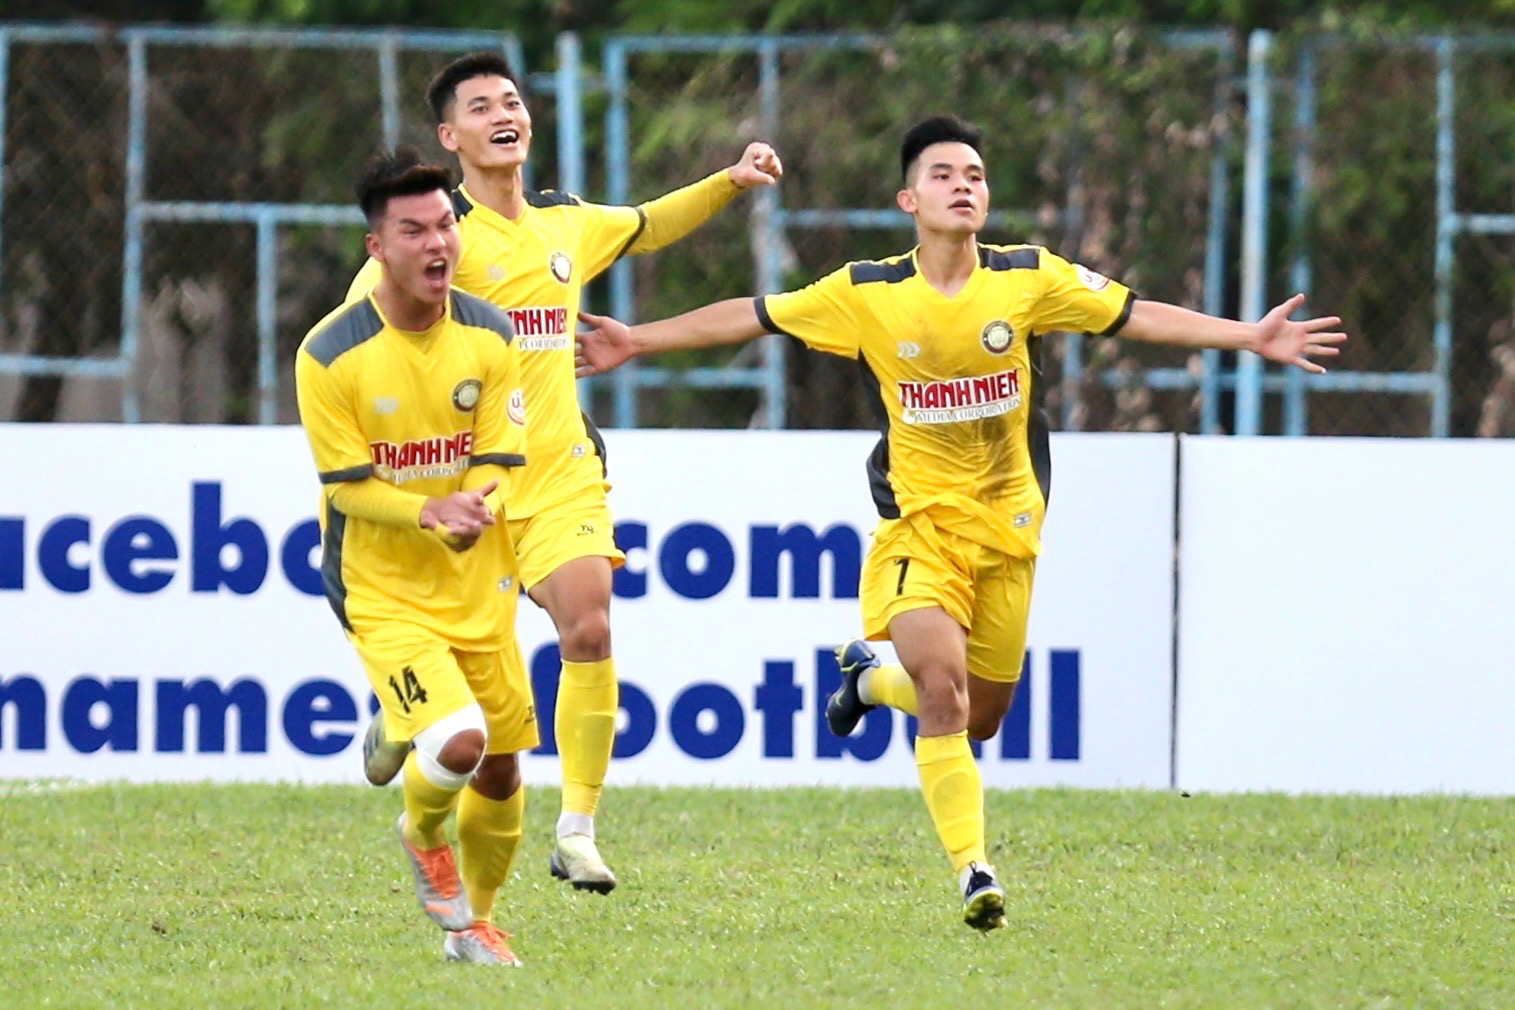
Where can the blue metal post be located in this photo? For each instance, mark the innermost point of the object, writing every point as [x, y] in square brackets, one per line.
[569, 84]
[1447, 225]
[1073, 373]
[775, 378]
[1215, 246]
[268, 308]
[131, 267]
[389, 90]
[1296, 421]
[617, 172]
[1254, 229]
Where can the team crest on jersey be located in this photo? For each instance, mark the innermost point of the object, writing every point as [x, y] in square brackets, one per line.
[997, 337]
[515, 408]
[1092, 280]
[465, 395]
[561, 266]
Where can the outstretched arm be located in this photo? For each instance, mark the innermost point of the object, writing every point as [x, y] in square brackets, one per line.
[1275, 336]
[672, 216]
[609, 342]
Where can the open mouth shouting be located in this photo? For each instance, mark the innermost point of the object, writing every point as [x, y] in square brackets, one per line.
[438, 273]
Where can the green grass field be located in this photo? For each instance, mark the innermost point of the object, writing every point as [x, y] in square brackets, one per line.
[267, 896]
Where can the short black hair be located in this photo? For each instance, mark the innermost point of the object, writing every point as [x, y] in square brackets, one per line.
[400, 172]
[443, 89]
[937, 130]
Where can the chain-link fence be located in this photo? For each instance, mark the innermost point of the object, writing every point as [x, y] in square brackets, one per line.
[1394, 167]
[207, 175]
[1110, 147]
[209, 171]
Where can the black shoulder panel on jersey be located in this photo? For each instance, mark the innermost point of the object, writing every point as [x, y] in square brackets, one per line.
[471, 310]
[460, 205]
[889, 273]
[358, 323]
[551, 198]
[1028, 258]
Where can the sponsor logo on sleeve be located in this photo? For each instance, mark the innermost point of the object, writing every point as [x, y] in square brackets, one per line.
[1092, 280]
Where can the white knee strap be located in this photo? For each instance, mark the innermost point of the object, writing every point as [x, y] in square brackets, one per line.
[431, 740]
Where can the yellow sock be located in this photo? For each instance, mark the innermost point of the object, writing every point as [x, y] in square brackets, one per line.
[426, 807]
[954, 794]
[488, 833]
[588, 699]
[890, 685]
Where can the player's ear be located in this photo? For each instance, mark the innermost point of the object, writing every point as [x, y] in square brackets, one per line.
[906, 199]
[371, 243]
[445, 137]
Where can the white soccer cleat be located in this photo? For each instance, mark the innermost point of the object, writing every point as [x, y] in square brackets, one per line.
[577, 860]
[481, 943]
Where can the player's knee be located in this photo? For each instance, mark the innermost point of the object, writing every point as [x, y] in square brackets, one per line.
[983, 725]
[498, 776]
[941, 698]
[587, 635]
[451, 748]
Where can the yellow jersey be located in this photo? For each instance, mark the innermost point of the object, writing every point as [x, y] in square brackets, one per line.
[414, 410]
[535, 268]
[963, 442]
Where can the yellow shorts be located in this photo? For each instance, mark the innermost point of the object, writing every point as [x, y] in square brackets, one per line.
[913, 565]
[420, 679]
[580, 527]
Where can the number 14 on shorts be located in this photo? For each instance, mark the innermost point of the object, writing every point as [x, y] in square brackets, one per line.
[407, 688]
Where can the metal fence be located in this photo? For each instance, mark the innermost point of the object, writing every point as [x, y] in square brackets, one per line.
[175, 207]
[1113, 148]
[1400, 159]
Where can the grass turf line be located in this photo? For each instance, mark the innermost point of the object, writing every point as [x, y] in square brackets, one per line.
[280, 896]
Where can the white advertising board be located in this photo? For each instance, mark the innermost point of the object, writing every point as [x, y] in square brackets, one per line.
[1346, 615]
[159, 617]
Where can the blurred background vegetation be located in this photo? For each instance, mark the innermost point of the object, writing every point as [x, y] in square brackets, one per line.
[1099, 140]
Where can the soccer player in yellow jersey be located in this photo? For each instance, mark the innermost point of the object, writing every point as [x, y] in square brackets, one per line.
[531, 253]
[411, 399]
[946, 333]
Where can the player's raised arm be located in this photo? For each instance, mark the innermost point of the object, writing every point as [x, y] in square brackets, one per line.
[609, 343]
[1275, 336]
[672, 216]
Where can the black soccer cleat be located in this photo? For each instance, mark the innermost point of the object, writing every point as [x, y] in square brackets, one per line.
[846, 708]
[983, 899]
